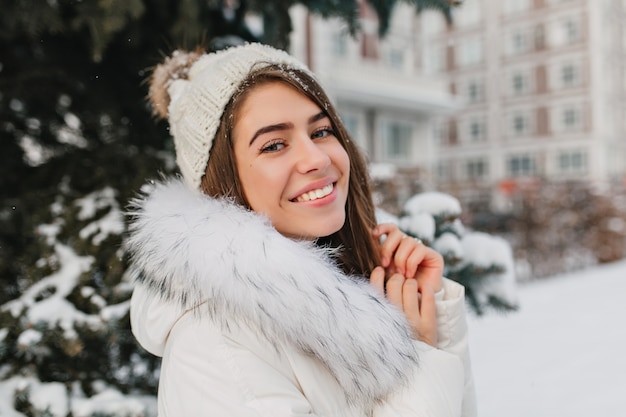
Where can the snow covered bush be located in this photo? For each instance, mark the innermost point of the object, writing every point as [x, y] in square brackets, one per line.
[481, 262]
[65, 342]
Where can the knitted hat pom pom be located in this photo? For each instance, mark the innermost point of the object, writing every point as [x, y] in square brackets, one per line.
[175, 67]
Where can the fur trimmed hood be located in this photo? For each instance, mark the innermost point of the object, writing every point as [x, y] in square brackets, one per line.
[191, 249]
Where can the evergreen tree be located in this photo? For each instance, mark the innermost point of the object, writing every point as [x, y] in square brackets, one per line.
[78, 141]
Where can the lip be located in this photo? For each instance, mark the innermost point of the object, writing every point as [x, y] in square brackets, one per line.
[314, 186]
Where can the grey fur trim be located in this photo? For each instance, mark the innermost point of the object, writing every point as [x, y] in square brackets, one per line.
[191, 248]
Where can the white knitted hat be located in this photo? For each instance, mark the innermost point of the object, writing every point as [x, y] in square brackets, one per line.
[198, 95]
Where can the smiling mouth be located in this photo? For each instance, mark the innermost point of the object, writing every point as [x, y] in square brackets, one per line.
[315, 194]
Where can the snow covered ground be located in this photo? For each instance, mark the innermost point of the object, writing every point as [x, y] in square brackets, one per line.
[562, 354]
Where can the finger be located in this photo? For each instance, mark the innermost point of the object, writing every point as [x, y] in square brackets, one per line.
[430, 270]
[428, 314]
[394, 290]
[410, 302]
[383, 229]
[408, 256]
[390, 245]
[414, 260]
[377, 279]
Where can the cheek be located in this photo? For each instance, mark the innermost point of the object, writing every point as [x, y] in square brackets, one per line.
[260, 183]
[343, 160]
[246, 177]
[250, 185]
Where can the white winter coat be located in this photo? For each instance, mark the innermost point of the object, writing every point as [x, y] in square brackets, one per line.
[250, 323]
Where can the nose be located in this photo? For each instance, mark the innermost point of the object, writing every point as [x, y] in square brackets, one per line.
[311, 156]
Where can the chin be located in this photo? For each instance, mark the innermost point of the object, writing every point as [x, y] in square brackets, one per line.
[327, 228]
[314, 230]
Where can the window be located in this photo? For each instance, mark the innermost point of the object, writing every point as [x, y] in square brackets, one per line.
[568, 117]
[397, 141]
[440, 131]
[571, 30]
[571, 118]
[521, 165]
[340, 44]
[520, 83]
[396, 58]
[474, 91]
[520, 124]
[572, 162]
[565, 74]
[351, 123]
[476, 169]
[444, 170]
[566, 30]
[476, 130]
[470, 51]
[435, 59]
[519, 41]
[569, 75]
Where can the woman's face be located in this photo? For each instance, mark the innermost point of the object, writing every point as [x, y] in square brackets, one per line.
[291, 166]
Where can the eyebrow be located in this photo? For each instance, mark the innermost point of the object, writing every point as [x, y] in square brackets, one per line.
[285, 126]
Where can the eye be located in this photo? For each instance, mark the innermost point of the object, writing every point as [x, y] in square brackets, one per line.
[322, 132]
[272, 146]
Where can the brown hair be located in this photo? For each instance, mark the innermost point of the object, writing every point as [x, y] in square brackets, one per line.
[359, 253]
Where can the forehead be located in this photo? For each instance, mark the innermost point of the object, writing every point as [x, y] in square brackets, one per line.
[274, 102]
[271, 89]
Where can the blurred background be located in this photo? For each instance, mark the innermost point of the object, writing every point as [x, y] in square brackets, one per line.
[495, 131]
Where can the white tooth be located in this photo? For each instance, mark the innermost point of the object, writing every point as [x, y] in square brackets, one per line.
[315, 194]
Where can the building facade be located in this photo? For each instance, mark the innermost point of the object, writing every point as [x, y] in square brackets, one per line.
[386, 102]
[544, 89]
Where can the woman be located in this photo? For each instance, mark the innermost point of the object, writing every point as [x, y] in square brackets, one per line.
[261, 278]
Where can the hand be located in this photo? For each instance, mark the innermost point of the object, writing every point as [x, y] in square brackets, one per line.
[409, 257]
[402, 292]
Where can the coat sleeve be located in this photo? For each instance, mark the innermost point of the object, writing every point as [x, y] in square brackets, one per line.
[434, 389]
[453, 338]
[442, 385]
